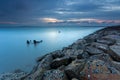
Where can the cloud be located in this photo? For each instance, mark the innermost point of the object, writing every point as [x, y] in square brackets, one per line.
[51, 20]
[60, 11]
[82, 20]
[8, 22]
[70, 12]
[111, 8]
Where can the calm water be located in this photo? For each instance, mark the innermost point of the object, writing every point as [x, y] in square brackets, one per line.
[16, 54]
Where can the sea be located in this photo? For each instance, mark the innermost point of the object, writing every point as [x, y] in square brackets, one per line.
[15, 53]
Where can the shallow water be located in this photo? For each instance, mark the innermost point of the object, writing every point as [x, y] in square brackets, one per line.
[16, 54]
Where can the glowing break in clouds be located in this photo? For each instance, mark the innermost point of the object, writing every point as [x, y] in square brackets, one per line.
[51, 20]
[82, 20]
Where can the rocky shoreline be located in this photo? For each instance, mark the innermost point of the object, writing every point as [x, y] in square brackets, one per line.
[95, 57]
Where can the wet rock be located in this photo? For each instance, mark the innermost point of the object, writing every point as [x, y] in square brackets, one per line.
[73, 69]
[54, 75]
[93, 51]
[60, 61]
[115, 52]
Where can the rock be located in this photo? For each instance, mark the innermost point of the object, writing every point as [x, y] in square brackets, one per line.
[84, 55]
[60, 61]
[91, 38]
[74, 79]
[40, 69]
[112, 37]
[12, 76]
[54, 75]
[93, 69]
[100, 46]
[79, 44]
[41, 58]
[104, 57]
[93, 51]
[115, 52]
[114, 32]
[73, 69]
[57, 54]
[108, 42]
[116, 65]
[73, 52]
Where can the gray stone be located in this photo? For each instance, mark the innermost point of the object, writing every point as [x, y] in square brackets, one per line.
[73, 69]
[115, 52]
[40, 69]
[112, 37]
[100, 46]
[60, 61]
[116, 65]
[93, 51]
[57, 54]
[84, 55]
[12, 76]
[54, 75]
[108, 42]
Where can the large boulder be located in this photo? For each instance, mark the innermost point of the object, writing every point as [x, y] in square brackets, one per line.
[100, 46]
[54, 75]
[83, 55]
[12, 76]
[91, 38]
[104, 57]
[40, 69]
[93, 51]
[79, 44]
[107, 42]
[57, 54]
[115, 52]
[73, 69]
[73, 52]
[112, 37]
[94, 68]
[116, 65]
[60, 61]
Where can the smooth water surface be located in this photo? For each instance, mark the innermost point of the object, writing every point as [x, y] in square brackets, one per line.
[16, 54]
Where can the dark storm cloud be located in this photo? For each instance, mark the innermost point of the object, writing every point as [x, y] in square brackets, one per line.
[34, 11]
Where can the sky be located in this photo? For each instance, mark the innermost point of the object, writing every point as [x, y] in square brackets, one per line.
[59, 12]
